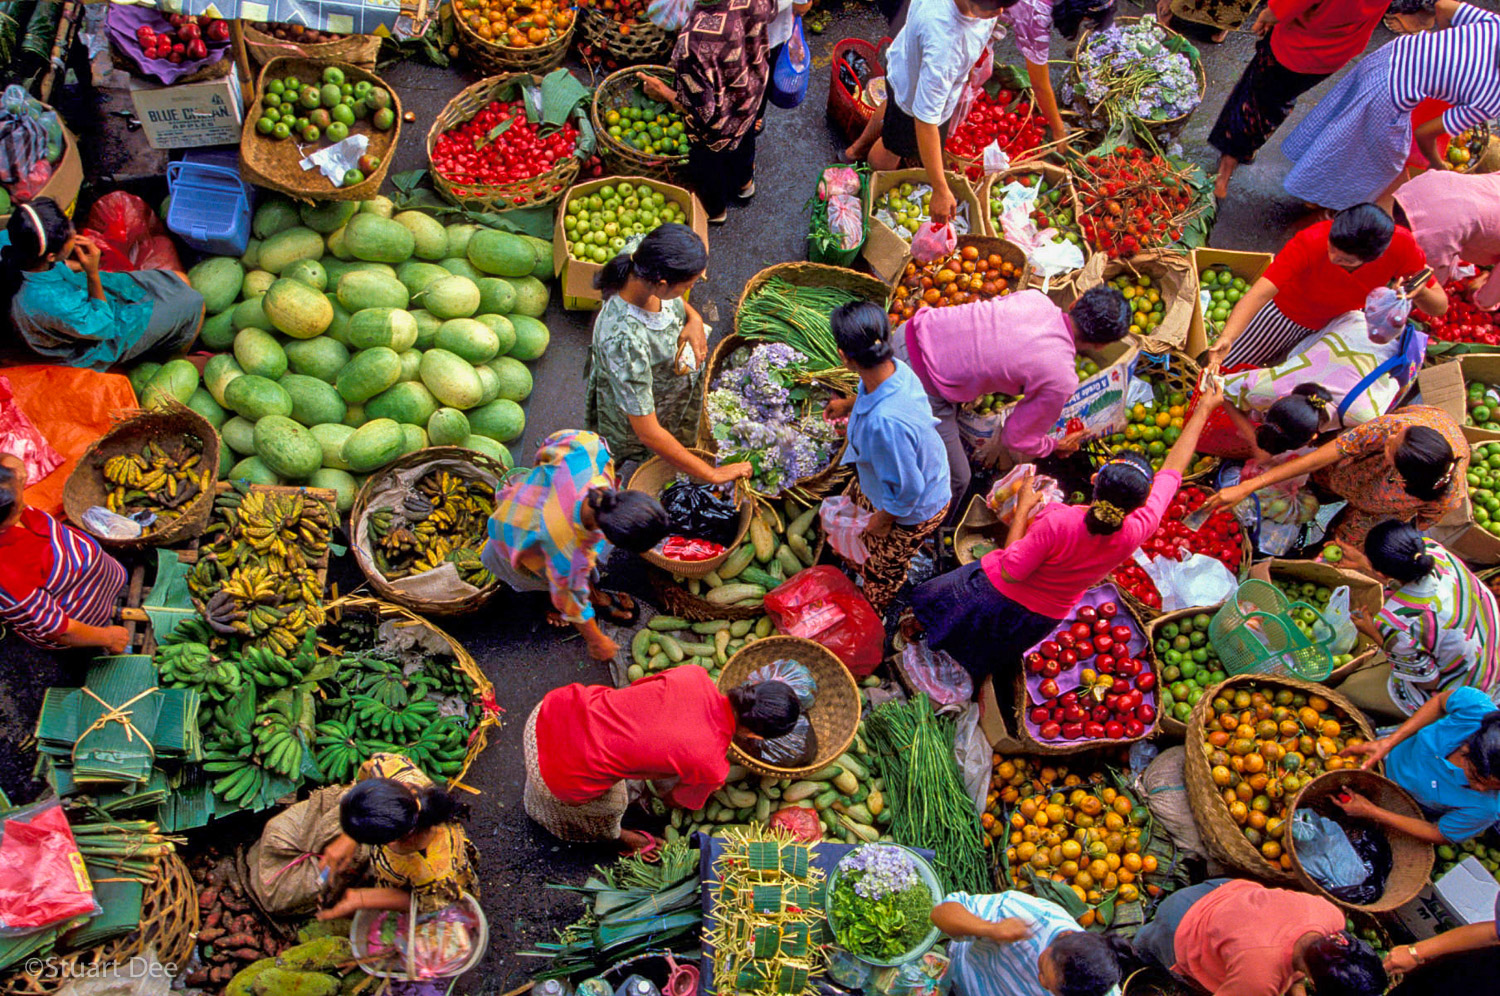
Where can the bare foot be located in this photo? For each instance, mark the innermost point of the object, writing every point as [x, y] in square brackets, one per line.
[1221, 187]
[556, 620]
[1219, 36]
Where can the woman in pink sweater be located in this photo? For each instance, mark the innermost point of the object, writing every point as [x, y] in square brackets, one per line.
[986, 614]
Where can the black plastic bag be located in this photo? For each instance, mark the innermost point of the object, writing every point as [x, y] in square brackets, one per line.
[697, 512]
[792, 749]
[1374, 849]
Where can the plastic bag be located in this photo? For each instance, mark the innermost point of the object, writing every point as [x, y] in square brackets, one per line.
[937, 674]
[1386, 313]
[932, 241]
[790, 750]
[802, 823]
[1327, 852]
[682, 548]
[844, 522]
[787, 86]
[821, 604]
[1002, 497]
[42, 877]
[837, 181]
[20, 438]
[995, 158]
[25, 141]
[971, 749]
[144, 976]
[795, 676]
[846, 217]
[1163, 785]
[130, 235]
[1338, 615]
[1198, 580]
[670, 14]
[698, 512]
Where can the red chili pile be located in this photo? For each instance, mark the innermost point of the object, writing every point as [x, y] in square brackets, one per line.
[1116, 698]
[186, 42]
[1463, 322]
[1131, 201]
[1219, 538]
[1004, 118]
[480, 152]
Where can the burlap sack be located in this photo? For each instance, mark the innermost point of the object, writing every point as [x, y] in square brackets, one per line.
[283, 864]
[1173, 275]
[1164, 787]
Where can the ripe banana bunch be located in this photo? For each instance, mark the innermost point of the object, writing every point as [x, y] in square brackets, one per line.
[445, 515]
[156, 479]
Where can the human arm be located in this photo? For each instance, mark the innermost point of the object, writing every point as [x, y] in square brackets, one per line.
[1431, 299]
[1245, 429]
[1361, 808]
[654, 88]
[1376, 751]
[339, 853]
[1180, 456]
[1020, 517]
[1470, 937]
[1026, 429]
[1324, 456]
[367, 899]
[109, 638]
[1260, 294]
[693, 333]
[930, 149]
[1485, 289]
[1046, 98]
[86, 251]
[1426, 136]
[955, 920]
[665, 445]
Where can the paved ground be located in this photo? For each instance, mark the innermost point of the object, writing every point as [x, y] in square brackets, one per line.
[523, 658]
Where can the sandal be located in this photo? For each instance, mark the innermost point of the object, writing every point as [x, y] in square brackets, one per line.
[617, 608]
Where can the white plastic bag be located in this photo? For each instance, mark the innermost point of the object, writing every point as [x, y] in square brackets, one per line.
[934, 672]
[1198, 580]
[844, 523]
[1002, 497]
[971, 749]
[995, 158]
[1345, 635]
[932, 241]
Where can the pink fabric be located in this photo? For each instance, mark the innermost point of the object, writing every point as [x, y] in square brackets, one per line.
[1030, 22]
[1059, 559]
[1321, 36]
[1456, 218]
[1020, 344]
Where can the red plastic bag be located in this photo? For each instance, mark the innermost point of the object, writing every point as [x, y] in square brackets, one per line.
[802, 823]
[821, 604]
[932, 241]
[130, 235]
[20, 438]
[683, 548]
[42, 877]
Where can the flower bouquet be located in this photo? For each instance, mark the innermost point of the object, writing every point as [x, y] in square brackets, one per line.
[1136, 73]
[880, 904]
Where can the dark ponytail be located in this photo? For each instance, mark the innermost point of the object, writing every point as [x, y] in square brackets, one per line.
[378, 811]
[765, 708]
[631, 520]
[1120, 487]
[669, 254]
[1293, 421]
[863, 332]
[1398, 550]
[34, 234]
[1089, 964]
[1068, 15]
[1426, 463]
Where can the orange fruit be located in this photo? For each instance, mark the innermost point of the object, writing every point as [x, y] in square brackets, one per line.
[1222, 776]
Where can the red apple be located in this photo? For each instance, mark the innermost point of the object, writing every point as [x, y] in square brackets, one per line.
[1051, 669]
[1087, 614]
[1121, 634]
[1050, 731]
[1034, 662]
[1120, 686]
[1072, 731]
[1104, 643]
[1074, 714]
[1146, 681]
[1114, 729]
[1102, 626]
[197, 49]
[1068, 698]
[1106, 663]
[1065, 639]
[1049, 649]
[1067, 658]
[1080, 631]
[1100, 713]
[1048, 689]
[1145, 712]
[1040, 715]
[1093, 730]
[1129, 667]
[1130, 700]
[1134, 728]
[1108, 609]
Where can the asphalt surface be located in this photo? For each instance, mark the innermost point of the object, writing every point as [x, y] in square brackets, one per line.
[521, 655]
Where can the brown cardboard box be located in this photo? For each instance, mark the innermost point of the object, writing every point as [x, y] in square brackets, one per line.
[1174, 279]
[67, 178]
[1249, 265]
[189, 115]
[886, 251]
[577, 278]
[1457, 530]
[1446, 385]
[1364, 593]
[992, 721]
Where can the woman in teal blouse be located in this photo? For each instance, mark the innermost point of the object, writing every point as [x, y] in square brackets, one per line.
[69, 312]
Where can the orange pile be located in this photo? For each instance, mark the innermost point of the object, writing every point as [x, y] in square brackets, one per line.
[958, 278]
[517, 24]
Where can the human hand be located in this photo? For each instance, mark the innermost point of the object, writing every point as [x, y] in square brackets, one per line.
[1373, 751]
[693, 335]
[1264, 23]
[1356, 805]
[1069, 444]
[1401, 960]
[1227, 497]
[942, 206]
[341, 910]
[1211, 395]
[1009, 931]
[86, 251]
[1026, 494]
[116, 639]
[338, 855]
[1163, 10]
[655, 88]
[838, 408]
[730, 472]
[601, 647]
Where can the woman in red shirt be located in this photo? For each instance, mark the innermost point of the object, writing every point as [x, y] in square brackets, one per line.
[584, 743]
[1325, 271]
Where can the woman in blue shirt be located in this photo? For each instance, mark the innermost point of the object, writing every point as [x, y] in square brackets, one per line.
[1447, 755]
[70, 312]
[900, 462]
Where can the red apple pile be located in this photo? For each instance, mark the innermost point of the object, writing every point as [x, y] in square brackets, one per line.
[187, 41]
[1220, 538]
[1464, 322]
[1116, 697]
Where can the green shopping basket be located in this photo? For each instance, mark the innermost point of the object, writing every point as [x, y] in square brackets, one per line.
[1257, 632]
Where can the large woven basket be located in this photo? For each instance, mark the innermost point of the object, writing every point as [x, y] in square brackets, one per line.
[470, 464]
[492, 57]
[835, 710]
[1168, 126]
[358, 50]
[1488, 159]
[169, 927]
[169, 426]
[1411, 859]
[1220, 834]
[616, 91]
[652, 477]
[623, 44]
[536, 191]
[276, 165]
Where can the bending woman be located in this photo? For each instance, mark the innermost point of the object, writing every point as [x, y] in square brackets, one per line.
[987, 613]
[71, 312]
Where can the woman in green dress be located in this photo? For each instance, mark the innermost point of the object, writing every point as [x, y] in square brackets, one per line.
[70, 312]
[645, 367]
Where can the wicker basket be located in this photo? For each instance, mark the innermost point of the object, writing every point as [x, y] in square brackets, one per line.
[492, 57]
[974, 168]
[357, 50]
[617, 91]
[86, 487]
[1151, 981]
[465, 463]
[169, 927]
[276, 165]
[835, 710]
[979, 524]
[848, 112]
[1223, 839]
[484, 691]
[678, 601]
[652, 477]
[1168, 127]
[536, 191]
[1411, 859]
[623, 45]
[1167, 724]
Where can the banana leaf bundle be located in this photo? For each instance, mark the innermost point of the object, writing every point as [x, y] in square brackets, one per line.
[41, 31]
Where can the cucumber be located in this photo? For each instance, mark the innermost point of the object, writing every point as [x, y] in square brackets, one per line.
[865, 833]
[668, 624]
[846, 782]
[764, 627]
[732, 593]
[638, 646]
[825, 774]
[711, 627]
[740, 627]
[635, 672]
[762, 538]
[721, 647]
[859, 814]
[875, 802]
[850, 764]
[713, 580]
[789, 561]
[737, 561]
[801, 548]
[763, 809]
[672, 648]
[657, 662]
[801, 524]
[826, 799]
[754, 575]
[802, 790]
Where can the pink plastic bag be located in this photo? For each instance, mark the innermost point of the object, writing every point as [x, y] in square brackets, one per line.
[839, 180]
[821, 604]
[847, 218]
[844, 523]
[130, 235]
[44, 881]
[932, 241]
[20, 438]
[934, 672]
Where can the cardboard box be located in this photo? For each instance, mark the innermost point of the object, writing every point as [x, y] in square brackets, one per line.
[189, 115]
[577, 278]
[992, 722]
[1364, 593]
[1249, 265]
[886, 251]
[1425, 916]
[1176, 283]
[1446, 385]
[67, 178]
[1457, 530]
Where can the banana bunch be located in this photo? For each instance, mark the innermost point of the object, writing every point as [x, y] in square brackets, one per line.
[240, 778]
[376, 717]
[383, 682]
[340, 751]
[269, 669]
[191, 664]
[278, 743]
[443, 521]
[282, 531]
[157, 479]
[440, 748]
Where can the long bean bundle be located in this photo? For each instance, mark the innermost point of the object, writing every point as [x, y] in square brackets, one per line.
[797, 316]
[930, 807]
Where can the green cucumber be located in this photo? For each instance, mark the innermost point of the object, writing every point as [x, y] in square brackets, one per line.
[668, 624]
[740, 627]
[764, 627]
[737, 561]
[711, 627]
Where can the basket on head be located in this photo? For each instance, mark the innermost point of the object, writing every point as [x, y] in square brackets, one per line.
[277, 165]
[358, 50]
[534, 191]
[492, 57]
[653, 477]
[640, 41]
[1168, 126]
[1253, 633]
[1411, 859]
[167, 426]
[621, 89]
[835, 710]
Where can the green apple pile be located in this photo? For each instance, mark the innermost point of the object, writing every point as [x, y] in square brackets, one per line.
[1483, 406]
[1189, 664]
[597, 224]
[326, 110]
[1147, 309]
[1053, 208]
[905, 206]
[1316, 595]
[1484, 477]
[1223, 289]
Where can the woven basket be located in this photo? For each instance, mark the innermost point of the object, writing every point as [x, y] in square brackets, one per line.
[614, 93]
[1221, 836]
[536, 191]
[1167, 724]
[622, 45]
[974, 168]
[979, 524]
[86, 487]
[1181, 375]
[1151, 981]
[678, 601]
[169, 926]
[1169, 126]
[476, 466]
[1488, 159]
[484, 690]
[835, 710]
[492, 57]
[652, 477]
[276, 165]
[1411, 859]
[847, 112]
[357, 50]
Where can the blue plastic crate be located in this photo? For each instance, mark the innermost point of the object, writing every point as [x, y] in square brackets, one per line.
[211, 205]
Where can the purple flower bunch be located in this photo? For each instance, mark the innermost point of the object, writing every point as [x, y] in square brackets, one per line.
[756, 415]
[1133, 67]
[882, 870]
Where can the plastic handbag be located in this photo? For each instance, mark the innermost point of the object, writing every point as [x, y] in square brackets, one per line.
[933, 241]
[793, 70]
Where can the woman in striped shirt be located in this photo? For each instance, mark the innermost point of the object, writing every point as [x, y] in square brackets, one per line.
[1440, 628]
[1354, 145]
[57, 587]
